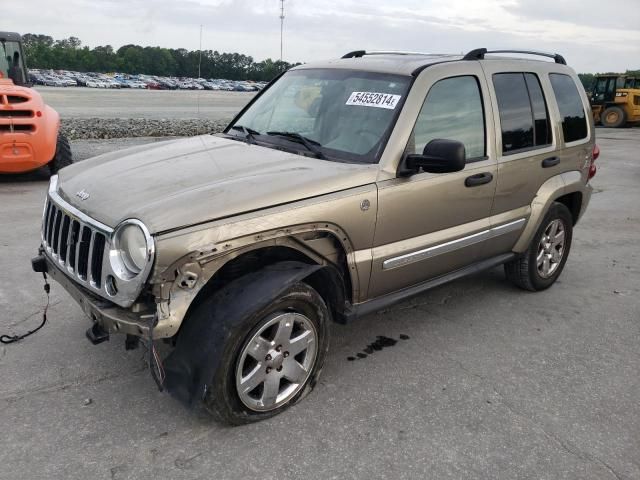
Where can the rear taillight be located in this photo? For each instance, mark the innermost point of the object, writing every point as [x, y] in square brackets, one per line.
[594, 156]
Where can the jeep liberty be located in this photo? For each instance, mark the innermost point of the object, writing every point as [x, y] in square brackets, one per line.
[342, 187]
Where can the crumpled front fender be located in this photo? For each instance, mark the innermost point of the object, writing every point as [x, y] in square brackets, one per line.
[202, 339]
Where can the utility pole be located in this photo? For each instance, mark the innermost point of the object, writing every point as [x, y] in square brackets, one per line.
[200, 52]
[281, 25]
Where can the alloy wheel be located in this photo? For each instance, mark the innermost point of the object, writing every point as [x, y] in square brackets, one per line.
[551, 248]
[276, 361]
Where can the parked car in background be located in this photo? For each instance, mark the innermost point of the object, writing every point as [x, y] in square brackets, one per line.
[64, 78]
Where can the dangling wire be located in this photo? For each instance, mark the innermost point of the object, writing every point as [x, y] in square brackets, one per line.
[6, 339]
[155, 363]
[159, 366]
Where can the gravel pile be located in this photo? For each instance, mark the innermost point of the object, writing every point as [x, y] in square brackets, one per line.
[87, 128]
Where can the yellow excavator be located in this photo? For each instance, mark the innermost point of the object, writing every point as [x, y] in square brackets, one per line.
[615, 100]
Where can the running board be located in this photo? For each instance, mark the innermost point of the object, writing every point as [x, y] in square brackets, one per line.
[379, 303]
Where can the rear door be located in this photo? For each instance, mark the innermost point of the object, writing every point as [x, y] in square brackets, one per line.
[542, 132]
[526, 146]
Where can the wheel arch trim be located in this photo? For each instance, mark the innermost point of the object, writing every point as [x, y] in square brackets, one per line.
[174, 301]
[554, 188]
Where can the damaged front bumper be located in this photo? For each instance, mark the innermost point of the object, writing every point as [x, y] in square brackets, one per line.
[109, 317]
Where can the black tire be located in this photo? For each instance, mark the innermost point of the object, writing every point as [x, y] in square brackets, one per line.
[523, 271]
[63, 157]
[221, 399]
[613, 117]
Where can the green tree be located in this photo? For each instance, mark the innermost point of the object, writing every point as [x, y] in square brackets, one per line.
[42, 51]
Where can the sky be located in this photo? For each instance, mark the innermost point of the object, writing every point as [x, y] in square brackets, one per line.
[593, 35]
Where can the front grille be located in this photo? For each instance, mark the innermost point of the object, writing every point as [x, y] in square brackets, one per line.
[76, 246]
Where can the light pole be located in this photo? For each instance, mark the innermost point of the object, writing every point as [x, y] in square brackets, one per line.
[200, 52]
[281, 25]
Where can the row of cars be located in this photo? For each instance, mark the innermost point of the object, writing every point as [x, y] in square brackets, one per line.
[64, 78]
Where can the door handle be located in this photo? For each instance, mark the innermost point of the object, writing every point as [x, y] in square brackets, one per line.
[478, 179]
[550, 162]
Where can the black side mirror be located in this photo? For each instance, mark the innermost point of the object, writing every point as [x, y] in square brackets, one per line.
[438, 156]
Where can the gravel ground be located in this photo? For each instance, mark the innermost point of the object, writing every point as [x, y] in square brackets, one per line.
[493, 382]
[103, 114]
[105, 128]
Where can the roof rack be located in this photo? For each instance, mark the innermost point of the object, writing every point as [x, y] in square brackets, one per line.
[355, 54]
[362, 53]
[479, 53]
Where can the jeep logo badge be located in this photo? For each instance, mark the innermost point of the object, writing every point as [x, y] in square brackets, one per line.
[82, 194]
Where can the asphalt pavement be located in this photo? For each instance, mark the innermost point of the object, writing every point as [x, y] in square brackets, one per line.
[78, 102]
[487, 381]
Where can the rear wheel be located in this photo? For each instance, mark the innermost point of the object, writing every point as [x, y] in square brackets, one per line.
[540, 266]
[63, 156]
[272, 360]
[613, 117]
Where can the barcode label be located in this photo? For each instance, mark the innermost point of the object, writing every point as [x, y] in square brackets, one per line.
[374, 99]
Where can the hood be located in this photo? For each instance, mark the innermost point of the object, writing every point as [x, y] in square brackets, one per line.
[178, 183]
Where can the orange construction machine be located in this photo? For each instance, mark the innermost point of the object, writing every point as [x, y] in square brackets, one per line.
[30, 135]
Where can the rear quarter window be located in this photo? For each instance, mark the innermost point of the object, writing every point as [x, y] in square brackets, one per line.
[574, 119]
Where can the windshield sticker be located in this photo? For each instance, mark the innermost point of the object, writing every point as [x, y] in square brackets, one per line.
[373, 99]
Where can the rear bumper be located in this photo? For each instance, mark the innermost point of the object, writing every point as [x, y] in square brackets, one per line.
[110, 317]
[17, 157]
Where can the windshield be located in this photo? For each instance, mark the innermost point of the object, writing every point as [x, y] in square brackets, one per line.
[11, 62]
[346, 114]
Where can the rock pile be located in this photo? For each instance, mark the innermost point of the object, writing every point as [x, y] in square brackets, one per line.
[86, 128]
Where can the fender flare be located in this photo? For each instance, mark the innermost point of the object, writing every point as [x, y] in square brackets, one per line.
[201, 344]
[554, 188]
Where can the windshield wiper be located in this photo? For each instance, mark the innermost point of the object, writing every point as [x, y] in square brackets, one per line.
[310, 144]
[249, 133]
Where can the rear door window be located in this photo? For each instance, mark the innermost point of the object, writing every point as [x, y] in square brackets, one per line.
[524, 117]
[574, 119]
[541, 123]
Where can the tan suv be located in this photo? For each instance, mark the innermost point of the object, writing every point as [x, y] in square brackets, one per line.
[341, 188]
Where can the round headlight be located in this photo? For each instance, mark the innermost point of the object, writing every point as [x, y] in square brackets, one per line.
[131, 247]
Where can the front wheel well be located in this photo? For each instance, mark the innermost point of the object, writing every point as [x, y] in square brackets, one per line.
[250, 262]
[331, 282]
[573, 201]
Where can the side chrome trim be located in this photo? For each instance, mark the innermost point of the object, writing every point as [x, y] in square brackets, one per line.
[507, 227]
[447, 247]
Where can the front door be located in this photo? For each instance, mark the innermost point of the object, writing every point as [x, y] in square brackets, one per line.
[429, 224]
